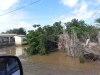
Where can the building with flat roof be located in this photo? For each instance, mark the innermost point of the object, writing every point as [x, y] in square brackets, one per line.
[14, 39]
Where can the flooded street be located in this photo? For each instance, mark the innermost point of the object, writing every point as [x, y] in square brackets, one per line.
[51, 64]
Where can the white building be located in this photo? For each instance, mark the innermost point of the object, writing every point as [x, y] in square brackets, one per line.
[19, 39]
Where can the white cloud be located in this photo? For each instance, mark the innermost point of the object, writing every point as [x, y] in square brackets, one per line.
[18, 25]
[97, 1]
[6, 26]
[6, 4]
[70, 3]
[81, 13]
[12, 20]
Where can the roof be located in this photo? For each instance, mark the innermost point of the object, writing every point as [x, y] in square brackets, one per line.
[20, 35]
[6, 35]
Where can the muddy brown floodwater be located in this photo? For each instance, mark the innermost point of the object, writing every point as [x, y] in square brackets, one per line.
[51, 64]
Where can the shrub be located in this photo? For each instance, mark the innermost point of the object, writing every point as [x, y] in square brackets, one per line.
[81, 59]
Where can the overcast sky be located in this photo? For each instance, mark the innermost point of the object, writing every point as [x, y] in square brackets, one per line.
[46, 12]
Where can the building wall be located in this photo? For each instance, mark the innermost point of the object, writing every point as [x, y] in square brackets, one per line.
[23, 42]
[18, 40]
[7, 40]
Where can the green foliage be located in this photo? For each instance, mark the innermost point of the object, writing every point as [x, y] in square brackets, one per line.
[36, 25]
[82, 30]
[21, 31]
[97, 20]
[81, 59]
[43, 40]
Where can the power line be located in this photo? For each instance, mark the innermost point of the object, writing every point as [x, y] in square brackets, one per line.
[94, 14]
[20, 7]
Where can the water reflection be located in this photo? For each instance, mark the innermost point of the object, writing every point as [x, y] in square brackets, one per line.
[2, 53]
[19, 51]
[14, 50]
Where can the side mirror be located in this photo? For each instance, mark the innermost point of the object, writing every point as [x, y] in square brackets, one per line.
[10, 65]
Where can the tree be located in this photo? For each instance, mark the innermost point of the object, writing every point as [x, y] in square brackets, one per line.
[36, 41]
[52, 35]
[82, 30]
[97, 20]
[36, 25]
[12, 31]
[43, 40]
[52, 32]
[21, 31]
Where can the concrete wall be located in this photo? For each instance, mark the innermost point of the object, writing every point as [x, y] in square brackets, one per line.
[7, 40]
[18, 40]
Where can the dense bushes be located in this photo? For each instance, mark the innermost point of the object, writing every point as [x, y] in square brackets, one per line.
[45, 39]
